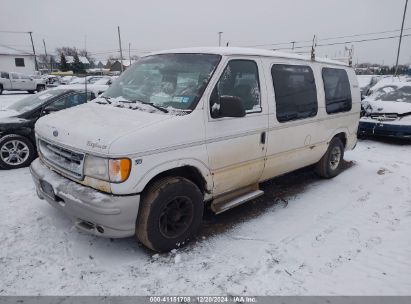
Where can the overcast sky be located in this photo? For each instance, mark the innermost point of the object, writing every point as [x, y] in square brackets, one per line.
[154, 25]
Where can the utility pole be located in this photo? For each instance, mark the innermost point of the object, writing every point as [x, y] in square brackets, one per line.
[34, 51]
[399, 43]
[219, 38]
[129, 53]
[121, 50]
[45, 51]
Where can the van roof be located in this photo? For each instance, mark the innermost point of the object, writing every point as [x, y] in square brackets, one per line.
[247, 52]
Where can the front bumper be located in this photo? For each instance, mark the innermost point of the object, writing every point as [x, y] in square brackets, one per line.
[91, 211]
[384, 129]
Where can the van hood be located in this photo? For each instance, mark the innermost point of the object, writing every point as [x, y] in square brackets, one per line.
[378, 106]
[93, 127]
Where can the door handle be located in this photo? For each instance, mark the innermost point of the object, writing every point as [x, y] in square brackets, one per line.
[262, 138]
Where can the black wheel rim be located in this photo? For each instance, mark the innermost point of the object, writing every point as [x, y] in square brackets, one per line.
[176, 217]
[14, 152]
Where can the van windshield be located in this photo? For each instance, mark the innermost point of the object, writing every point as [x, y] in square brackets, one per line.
[175, 81]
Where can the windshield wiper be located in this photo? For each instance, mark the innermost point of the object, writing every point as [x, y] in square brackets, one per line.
[152, 104]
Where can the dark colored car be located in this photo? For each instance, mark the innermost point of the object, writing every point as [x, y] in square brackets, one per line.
[387, 112]
[17, 140]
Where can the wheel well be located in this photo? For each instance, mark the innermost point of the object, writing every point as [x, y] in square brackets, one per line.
[23, 134]
[342, 137]
[189, 172]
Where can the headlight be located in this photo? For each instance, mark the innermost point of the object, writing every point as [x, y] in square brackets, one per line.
[110, 170]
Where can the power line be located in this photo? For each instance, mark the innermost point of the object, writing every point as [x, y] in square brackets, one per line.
[345, 42]
[328, 38]
[14, 32]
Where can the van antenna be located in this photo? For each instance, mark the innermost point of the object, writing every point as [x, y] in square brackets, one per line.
[313, 48]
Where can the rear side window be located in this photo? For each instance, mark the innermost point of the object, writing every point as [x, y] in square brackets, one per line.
[295, 92]
[337, 90]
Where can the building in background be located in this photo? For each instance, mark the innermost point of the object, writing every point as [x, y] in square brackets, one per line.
[12, 60]
[116, 65]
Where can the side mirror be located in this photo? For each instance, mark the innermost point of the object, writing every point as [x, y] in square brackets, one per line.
[49, 109]
[231, 106]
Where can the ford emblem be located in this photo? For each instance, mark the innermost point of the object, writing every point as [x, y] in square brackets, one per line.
[55, 133]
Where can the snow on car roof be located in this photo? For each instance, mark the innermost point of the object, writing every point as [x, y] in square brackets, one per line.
[391, 80]
[248, 52]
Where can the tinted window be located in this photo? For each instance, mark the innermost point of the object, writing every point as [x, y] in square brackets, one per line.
[33, 101]
[15, 76]
[71, 100]
[239, 79]
[19, 62]
[4, 75]
[295, 92]
[337, 90]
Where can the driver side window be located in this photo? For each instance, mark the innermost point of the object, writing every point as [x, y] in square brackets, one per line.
[239, 79]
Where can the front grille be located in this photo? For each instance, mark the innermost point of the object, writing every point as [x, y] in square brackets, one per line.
[62, 159]
[384, 117]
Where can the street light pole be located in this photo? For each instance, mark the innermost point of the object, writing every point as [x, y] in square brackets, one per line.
[399, 43]
[34, 51]
[219, 38]
[121, 50]
[45, 51]
[129, 52]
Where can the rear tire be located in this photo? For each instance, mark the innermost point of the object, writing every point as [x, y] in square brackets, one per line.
[330, 164]
[1, 89]
[170, 213]
[16, 151]
[40, 88]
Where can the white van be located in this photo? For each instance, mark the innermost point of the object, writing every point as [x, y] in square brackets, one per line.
[186, 127]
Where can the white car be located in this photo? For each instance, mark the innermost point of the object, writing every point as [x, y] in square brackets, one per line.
[10, 81]
[97, 89]
[387, 112]
[184, 128]
[90, 79]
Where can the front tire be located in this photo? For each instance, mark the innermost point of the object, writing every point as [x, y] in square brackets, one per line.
[170, 213]
[330, 164]
[16, 151]
[1, 89]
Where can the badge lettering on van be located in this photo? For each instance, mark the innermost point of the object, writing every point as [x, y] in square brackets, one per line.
[96, 145]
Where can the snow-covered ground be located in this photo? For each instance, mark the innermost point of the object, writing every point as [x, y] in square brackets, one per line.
[349, 235]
